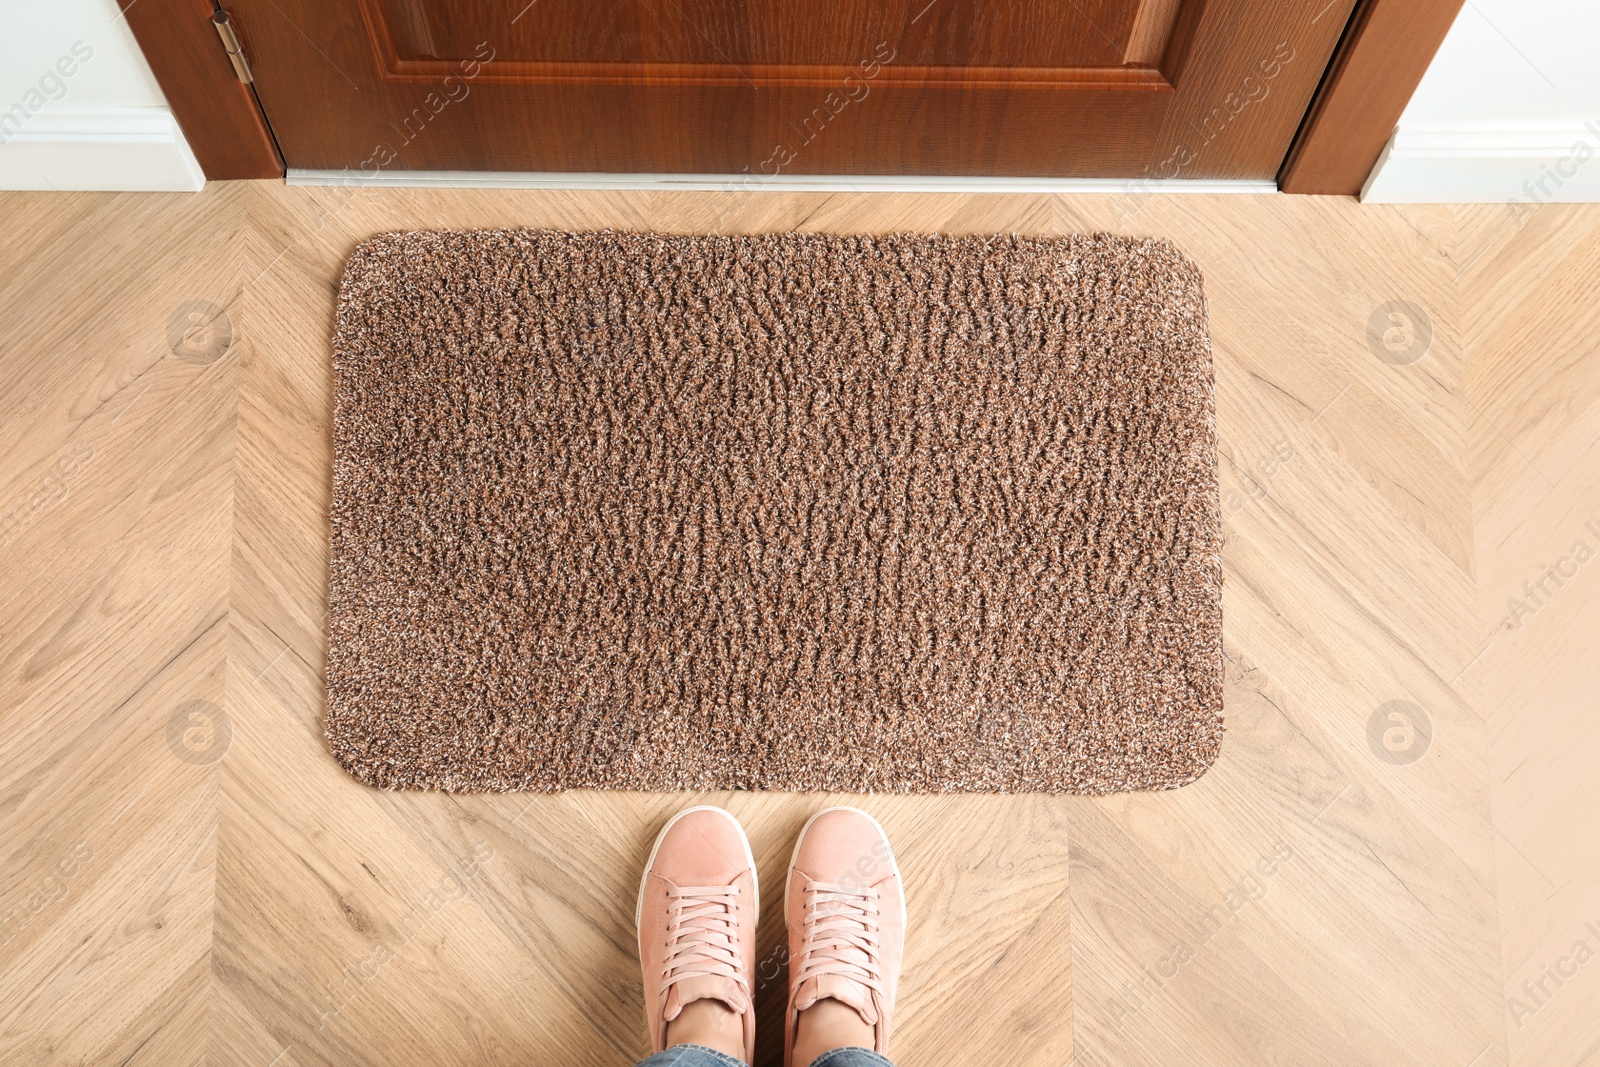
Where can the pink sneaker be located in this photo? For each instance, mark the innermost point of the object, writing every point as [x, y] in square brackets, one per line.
[697, 921]
[846, 912]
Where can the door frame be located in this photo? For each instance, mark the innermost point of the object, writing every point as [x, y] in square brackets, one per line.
[1385, 50]
[1382, 55]
[220, 116]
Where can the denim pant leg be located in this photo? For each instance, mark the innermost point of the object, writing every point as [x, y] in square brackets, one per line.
[700, 1056]
[850, 1056]
[690, 1056]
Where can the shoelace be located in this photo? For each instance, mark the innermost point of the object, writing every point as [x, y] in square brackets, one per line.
[841, 934]
[700, 935]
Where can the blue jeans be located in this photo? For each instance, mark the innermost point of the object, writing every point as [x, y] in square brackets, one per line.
[700, 1056]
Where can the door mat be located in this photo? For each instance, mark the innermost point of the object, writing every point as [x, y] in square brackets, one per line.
[791, 512]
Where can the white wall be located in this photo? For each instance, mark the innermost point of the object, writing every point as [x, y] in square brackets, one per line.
[79, 108]
[1509, 111]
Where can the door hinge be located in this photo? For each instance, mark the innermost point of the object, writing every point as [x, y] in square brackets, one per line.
[230, 41]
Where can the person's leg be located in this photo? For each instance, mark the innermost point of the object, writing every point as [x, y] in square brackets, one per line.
[695, 1056]
[827, 1025]
[845, 909]
[697, 928]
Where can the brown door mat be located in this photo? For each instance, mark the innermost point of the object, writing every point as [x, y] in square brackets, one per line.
[793, 511]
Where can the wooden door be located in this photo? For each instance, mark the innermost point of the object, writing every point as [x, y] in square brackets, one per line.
[1083, 88]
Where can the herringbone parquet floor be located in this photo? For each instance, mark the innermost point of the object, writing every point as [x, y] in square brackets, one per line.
[1393, 862]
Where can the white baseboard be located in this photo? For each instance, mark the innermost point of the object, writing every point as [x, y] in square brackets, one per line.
[829, 183]
[1529, 164]
[114, 148]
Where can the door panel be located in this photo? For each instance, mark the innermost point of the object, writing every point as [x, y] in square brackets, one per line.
[1087, 88]
[805, 32]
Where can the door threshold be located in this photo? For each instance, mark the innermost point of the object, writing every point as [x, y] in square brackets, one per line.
[789, 183]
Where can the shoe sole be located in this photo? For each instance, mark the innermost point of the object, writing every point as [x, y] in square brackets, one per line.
[644, 880]
[788, 878]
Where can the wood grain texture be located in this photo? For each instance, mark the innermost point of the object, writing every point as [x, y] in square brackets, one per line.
[1385, 52]
[1309, 901]
[1533, 393]
[1117, 88]
[997, 33]
[219, 115]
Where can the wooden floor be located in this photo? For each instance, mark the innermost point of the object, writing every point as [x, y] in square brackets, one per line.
[188, 877]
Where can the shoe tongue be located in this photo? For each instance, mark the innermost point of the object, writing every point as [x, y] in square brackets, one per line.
[705, 987]
[839, 988]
